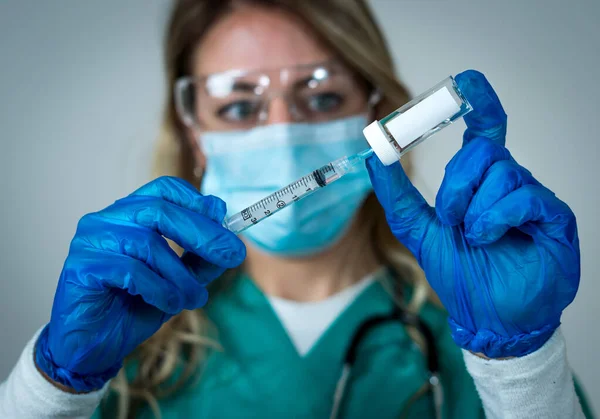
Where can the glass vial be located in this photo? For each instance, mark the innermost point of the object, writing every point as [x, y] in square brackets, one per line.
[400, 131]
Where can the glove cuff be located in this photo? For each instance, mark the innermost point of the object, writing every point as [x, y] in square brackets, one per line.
[494, 345]
[78, 382]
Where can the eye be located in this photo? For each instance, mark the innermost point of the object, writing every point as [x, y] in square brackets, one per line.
[239, 111]
[324, 102]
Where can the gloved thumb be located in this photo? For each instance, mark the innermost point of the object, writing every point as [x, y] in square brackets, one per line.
[487, 119]
[407, 212]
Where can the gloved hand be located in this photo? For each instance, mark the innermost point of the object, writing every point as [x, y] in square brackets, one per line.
[500, 250]
[121, 281]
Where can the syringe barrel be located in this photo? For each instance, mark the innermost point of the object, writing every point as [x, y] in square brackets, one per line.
[280, 199]
[403, 129]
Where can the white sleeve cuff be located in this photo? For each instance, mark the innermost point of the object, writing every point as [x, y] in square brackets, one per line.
[27, 394]
[538, 385]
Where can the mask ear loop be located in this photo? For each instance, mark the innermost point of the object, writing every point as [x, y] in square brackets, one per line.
[374, 99]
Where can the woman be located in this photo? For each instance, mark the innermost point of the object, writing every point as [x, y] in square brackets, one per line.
[266, 91]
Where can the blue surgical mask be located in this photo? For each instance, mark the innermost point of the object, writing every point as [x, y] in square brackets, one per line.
[246, 166]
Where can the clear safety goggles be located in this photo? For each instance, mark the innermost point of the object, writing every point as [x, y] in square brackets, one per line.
[239, 99]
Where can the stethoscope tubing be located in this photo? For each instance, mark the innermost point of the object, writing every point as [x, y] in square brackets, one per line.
[407, 319]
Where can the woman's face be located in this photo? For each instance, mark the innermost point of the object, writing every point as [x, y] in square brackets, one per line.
[262, 41]
[260, 58]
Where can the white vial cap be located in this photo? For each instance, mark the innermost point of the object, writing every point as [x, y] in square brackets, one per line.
[380, 143]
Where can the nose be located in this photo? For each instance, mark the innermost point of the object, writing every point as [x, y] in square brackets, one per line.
[278, 111]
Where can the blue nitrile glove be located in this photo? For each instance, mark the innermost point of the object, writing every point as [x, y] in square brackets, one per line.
[500, 250]
[121, 281]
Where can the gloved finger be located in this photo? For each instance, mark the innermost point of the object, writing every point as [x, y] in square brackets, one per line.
[487, 119]
[528, 204]
[190, 230]
[182, 193]
[502, 178]
[407, 212]
[204, 271]
[142, 244]
[464, 174]
[114, 270]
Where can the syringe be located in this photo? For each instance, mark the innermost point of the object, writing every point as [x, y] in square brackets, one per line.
[390, 139]
[295, 191]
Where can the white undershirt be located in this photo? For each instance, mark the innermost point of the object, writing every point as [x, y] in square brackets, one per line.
[306, 322]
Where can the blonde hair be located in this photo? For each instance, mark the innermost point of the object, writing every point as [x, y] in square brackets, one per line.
[349, 29]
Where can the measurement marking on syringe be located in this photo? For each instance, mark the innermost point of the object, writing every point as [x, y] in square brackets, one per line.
[290, 193]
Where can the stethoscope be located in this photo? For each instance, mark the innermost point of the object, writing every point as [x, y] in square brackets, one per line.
[431, 354]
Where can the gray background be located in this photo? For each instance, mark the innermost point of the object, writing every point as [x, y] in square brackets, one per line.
[80, 103]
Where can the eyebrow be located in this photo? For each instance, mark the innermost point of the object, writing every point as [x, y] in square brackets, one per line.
[244, 86]
[303, 82]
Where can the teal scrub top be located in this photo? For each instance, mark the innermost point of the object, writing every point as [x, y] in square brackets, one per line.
[259, 373]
